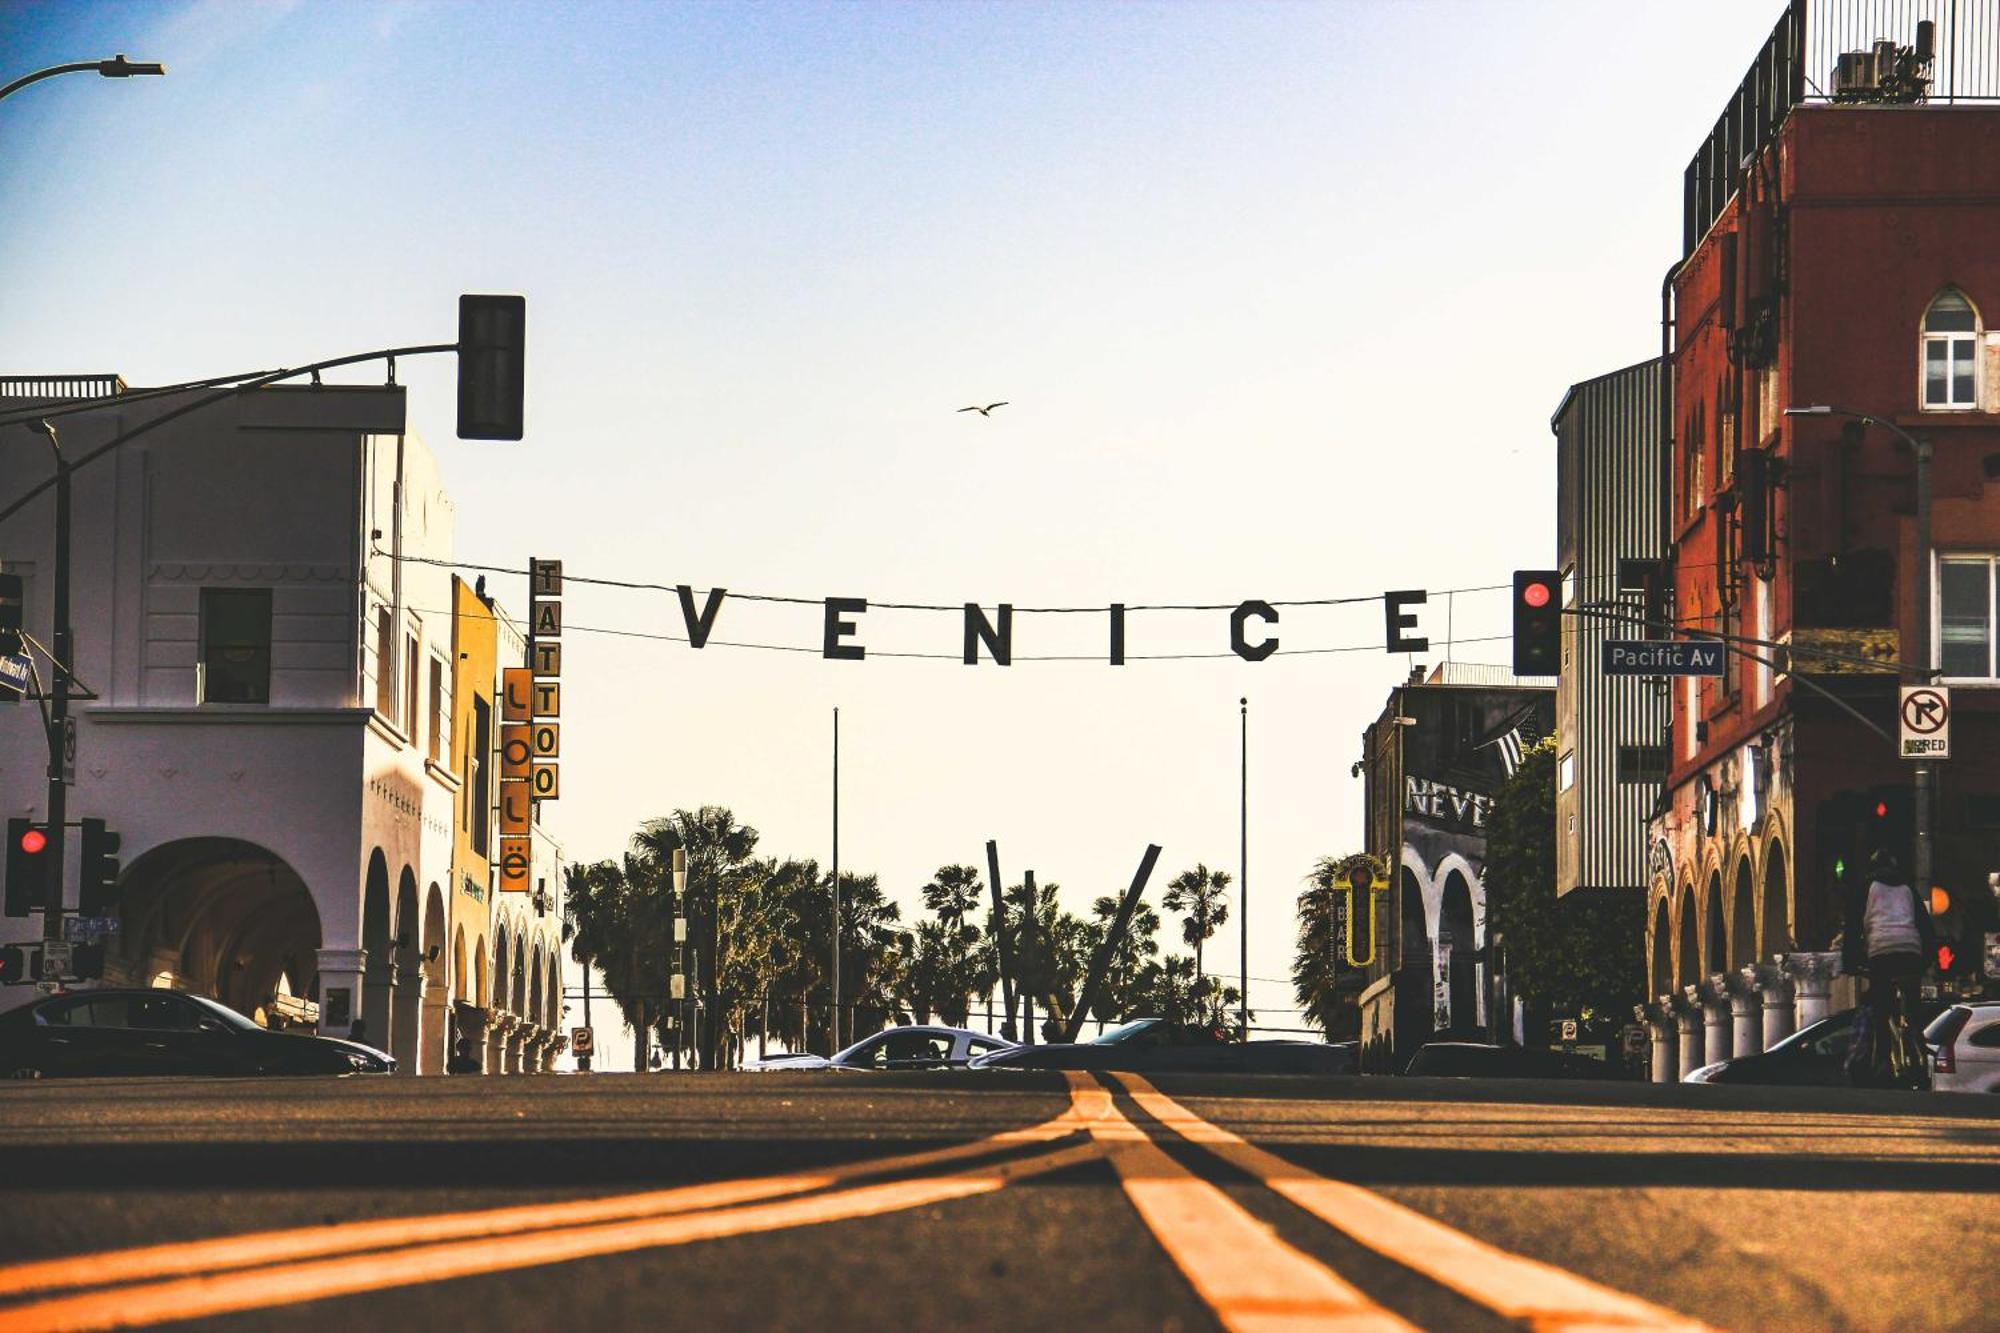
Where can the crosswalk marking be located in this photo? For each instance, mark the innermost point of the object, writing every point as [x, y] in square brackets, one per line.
[1543, 1297]
[1250, 1278]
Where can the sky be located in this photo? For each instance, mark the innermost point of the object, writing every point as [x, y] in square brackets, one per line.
[1281, 298]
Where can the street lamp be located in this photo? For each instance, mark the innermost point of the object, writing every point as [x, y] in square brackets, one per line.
[1925, 777]
[118, 67]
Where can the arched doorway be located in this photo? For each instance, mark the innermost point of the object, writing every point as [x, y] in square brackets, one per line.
[1455, 940]
[377, 936]
[405, 1032]
[223, 918]
[1415, 1007]
[1743, 918]
[1715, 954]
[1777, 904]
[1663, 951]
[1690, 941]
[436, 1035]
[496, 999]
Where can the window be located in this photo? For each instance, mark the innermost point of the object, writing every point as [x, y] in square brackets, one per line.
[411, 675]
[437, 747]
[385, 663]
[1566, 771]
[1965, 616]
[235, 645]
[478, 773]
[1951, 354]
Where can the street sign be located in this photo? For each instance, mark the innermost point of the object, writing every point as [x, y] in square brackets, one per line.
[1569, 1029]
[1663, 657]
[16, 673]
[58, 958]
[1923, 722]
[677, 987]
[88, 929]
[581, 1041]
[680, 930]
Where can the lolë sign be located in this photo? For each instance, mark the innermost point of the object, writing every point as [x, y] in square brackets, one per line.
[530, 726]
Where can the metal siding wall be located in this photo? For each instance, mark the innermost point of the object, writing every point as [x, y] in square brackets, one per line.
[1611, 431]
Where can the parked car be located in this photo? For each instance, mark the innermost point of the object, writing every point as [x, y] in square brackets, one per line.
[1964, 1044]
[896, 1048]
[1814, 1056]
[1481, 1059]
[1154, 1045]
[141, 1032]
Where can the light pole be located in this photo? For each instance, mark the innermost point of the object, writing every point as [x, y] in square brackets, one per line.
[118, 67]
[835, 1046]
[1925, 774]
[1243, 874]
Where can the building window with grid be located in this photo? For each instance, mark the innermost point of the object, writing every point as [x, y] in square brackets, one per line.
[1966, 612]
[236, 645]
[439, 746]
[385, 663]
[1951, 354]
[411, 674]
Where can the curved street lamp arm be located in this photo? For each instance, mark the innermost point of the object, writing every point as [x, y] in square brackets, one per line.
[118, 67]
[22, 502]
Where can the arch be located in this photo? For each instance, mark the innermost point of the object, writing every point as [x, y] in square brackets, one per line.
[535, 984]
[1777, 915]
[519, 985]
[1455, 939]
[1414, 930]
[377, 936]
[1689, 969]
[458, 977]
[433, 1038]
[1715, 939]
[406, 983]
[501, 995]
[1662, 948]
[1743, 917]
[219, 917]
[479, 972]
[554, 991]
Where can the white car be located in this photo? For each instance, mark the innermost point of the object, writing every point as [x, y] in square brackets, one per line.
[895, 1048]
[1965, 1047]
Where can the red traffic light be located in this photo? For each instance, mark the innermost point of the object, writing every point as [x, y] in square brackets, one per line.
[1945, 957]
[34, 841]
[1535, 594]
[1881, 809]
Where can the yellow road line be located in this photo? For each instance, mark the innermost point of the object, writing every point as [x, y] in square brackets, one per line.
[1251, 1279]
[245, 1251]
[1541, 1296]
[319, 1279]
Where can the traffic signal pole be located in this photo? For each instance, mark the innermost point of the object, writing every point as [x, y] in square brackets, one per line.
[1921, 853]
[65, 649]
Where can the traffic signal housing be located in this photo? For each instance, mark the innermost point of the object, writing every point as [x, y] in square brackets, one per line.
[20, 964]
[12, 604]
[98, 854]
[1537, 622]
[27, 866]
[492, 366]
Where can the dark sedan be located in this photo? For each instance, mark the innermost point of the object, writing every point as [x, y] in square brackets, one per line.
[139, 1032]
[1153, 1045]
[1479, 1059]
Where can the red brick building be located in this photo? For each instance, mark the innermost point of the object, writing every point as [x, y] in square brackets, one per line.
[1857, 264]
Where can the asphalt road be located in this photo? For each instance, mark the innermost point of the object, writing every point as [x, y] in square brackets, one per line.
[1010, 1201]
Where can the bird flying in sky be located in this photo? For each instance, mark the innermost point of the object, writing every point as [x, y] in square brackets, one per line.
[985, 411]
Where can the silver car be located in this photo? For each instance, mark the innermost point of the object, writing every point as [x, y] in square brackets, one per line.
[896, 1048]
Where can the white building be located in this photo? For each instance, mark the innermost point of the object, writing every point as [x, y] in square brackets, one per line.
[271, 728]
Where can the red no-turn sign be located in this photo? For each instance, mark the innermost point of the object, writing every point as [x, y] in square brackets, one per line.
[1924, 722]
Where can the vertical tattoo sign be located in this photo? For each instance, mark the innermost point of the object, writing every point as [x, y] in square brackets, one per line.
[545, 585]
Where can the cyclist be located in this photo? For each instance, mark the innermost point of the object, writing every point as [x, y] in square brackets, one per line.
[1895, 939]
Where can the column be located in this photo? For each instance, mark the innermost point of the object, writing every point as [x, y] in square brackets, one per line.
[341, 978]
[435, 1047]
[1659, 1020]
[1812, 976]
[1715, 1016]
[378, 1003]
[1687, 1021]
[409, 1007]
[1746, 1013]
[1776, 989]
[502, 1025]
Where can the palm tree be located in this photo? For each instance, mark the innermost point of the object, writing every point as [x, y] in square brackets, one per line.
[718, 874]
[1316, 966]
[953, 894]
[1117, 999]
[1200, 893]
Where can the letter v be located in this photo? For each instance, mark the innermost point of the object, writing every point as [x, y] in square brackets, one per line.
[700, 625]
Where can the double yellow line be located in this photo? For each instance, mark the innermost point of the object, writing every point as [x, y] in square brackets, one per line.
[1250, 1278]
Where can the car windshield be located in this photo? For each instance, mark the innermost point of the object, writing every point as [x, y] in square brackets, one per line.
[212, 1009]
[1813, 1032]
[1947, 1022]
[1124, 1031]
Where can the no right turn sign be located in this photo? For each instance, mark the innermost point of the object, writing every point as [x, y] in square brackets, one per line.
[1923, 722]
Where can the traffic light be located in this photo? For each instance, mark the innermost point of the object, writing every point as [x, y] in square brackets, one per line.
[27, 866]
[20, 964]
[492, 366]
[98, 852]
[1537, 622]
[12, 599]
